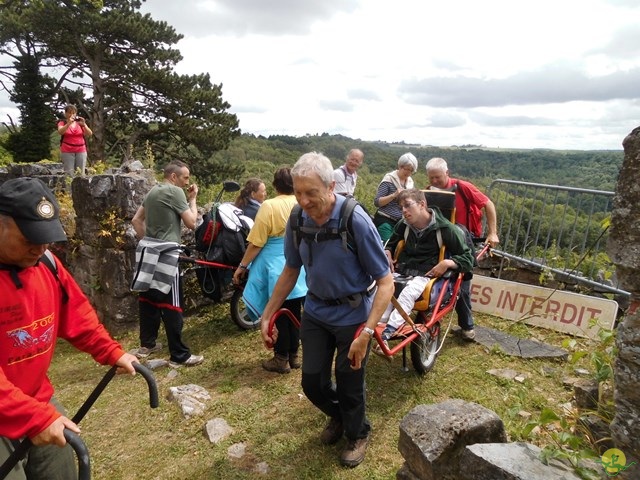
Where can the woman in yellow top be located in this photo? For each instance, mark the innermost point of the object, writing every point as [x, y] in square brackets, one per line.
[265, 260]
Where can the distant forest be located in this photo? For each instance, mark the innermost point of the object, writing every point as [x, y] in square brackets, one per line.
[258, 156]
[251, 156]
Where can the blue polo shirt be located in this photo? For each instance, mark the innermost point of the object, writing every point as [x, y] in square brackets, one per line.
[336, 272]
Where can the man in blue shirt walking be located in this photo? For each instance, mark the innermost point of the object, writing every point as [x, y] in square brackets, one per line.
[348, 286]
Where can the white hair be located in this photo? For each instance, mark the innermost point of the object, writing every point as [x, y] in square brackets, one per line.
[314, 162]
[408, 159]
[437, 164]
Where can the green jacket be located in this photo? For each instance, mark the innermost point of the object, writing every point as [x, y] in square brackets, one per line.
[421, 253]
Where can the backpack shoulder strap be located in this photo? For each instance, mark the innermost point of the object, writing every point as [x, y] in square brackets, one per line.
[344, 230]
[50, 263]
[295, 220]
[345, 227]
[344, 172]
[406, 233]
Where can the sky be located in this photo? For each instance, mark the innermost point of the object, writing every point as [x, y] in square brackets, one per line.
[560, 74]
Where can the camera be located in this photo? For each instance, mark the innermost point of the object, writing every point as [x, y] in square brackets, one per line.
[78, 118]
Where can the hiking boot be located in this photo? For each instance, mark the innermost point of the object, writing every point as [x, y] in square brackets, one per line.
[294, 361]
[354, 451]
[192, 361]
[277, 364]
[144, 352]
[469, 335]
[332, 432]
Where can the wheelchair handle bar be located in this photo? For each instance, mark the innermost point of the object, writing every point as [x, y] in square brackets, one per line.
[141, 369]
[274, 317]
[84, 463]
[23, 447]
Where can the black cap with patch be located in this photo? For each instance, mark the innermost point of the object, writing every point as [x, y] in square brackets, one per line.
[34, 208]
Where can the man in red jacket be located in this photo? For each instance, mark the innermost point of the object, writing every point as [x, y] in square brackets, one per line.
[470, 202]
[39, 304]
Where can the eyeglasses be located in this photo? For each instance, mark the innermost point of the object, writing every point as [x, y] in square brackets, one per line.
[408, 205]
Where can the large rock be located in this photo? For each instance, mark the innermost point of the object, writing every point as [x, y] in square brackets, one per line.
[511, 461]
[51, 174]
[103, 257]
[105, 205]
[624, 250]
[433, 437]
[191, 398]
[34, 169]
[104, 274]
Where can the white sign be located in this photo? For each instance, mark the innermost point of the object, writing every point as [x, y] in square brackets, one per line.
[544, 307]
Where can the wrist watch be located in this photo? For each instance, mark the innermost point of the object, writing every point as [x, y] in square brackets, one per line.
[369, 331]
[242, 266]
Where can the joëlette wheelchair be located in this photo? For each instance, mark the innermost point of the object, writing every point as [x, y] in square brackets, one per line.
[423, 332]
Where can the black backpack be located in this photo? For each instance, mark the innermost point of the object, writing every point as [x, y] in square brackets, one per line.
[218, 242]
[344, 230]
[468, 239]
[207, 231]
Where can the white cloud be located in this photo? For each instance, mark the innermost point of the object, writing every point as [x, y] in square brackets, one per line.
[555, 84]
[543, 74]
[537, 74]
[202, 18]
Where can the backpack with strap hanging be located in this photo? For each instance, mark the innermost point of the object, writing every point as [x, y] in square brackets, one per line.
[343, 232]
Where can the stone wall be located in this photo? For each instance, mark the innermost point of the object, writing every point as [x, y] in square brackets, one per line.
[102, 253]
[624, 250]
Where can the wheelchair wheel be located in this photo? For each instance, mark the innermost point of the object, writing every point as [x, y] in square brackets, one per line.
[239, 313]
[424, 350]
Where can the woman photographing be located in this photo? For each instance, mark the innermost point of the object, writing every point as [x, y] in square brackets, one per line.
[73, 147]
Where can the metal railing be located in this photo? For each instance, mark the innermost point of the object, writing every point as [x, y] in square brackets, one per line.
[560, 230]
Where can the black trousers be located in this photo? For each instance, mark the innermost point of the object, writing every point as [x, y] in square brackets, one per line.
[156, 307]
[346, 398]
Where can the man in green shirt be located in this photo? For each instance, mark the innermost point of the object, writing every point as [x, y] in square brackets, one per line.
[423, 231]
[160, 217]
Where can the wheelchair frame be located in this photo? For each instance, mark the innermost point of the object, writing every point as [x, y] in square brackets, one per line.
[423, 334]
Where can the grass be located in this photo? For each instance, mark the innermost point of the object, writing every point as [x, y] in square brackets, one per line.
[269, 413]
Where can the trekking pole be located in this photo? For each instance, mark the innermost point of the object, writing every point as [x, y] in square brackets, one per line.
[23, 447]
